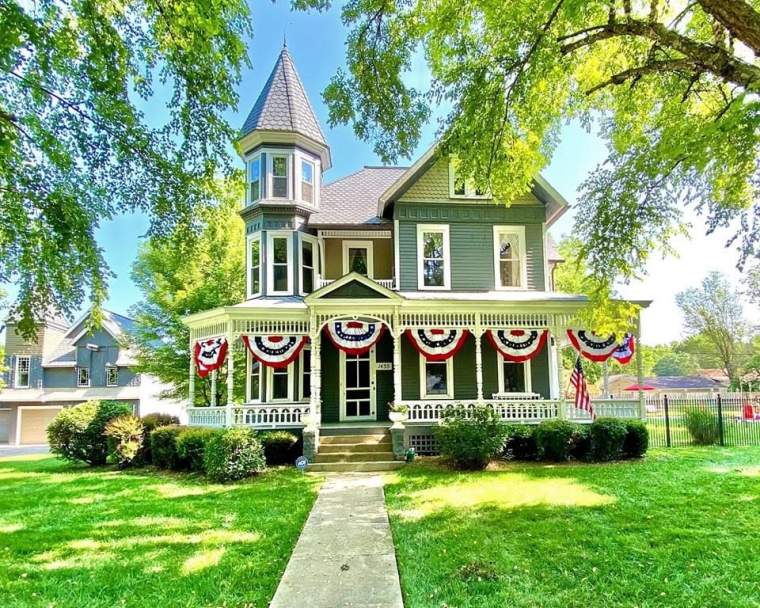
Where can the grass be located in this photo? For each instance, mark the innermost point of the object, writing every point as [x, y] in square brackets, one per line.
[75, 536]
[680, 528]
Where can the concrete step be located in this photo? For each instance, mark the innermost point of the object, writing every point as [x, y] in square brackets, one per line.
[354, 467]
[354, 457]
[354, 439]
[354, 429]
[354, 447]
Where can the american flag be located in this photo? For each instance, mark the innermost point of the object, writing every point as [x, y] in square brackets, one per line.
[582, 397]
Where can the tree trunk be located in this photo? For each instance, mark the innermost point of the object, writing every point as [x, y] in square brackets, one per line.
[739, 18]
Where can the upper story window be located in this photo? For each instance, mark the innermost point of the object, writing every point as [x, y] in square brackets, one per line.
[23, 367]
[433, 257]
[279, 274]
[358, 256]
[307, 181]
[308, 264]
[280, 175]
[112, 375]
[254, 179]
[83, 376]
[254, 265]
[461, 187]
[509, 257]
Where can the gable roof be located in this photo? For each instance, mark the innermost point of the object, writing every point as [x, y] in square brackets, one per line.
[352, 278]
[283, 104]
[353, 199]
[669, 382]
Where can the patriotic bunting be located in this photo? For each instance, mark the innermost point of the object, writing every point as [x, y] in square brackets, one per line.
[593, 347]
[209, 355]
[624, 352]
[518, 345]
[437, 344]
[354, 337]
[275, 351]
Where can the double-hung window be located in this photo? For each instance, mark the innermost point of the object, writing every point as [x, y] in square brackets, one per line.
[509, 257]
[112, 375]
[23, 367]
[254, 265]
[308, 264]
[280, 175]
[307, 181]
[83, 377]
[254, 179]
[304, 391]
[436, 379]
[279, 277]
[254, 379]
[280, 383]
[433, 257]
[513, 377]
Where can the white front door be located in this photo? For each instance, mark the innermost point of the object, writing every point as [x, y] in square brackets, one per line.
[357, 386]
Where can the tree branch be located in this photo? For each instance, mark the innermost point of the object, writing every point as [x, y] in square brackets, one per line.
[656, 66]
[738, 17]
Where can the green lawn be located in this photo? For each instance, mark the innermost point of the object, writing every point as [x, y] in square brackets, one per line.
[80, 537]
[680, 528]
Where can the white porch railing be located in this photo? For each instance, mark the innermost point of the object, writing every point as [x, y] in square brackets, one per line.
[206, 416]
[255, 416]
[387, 283]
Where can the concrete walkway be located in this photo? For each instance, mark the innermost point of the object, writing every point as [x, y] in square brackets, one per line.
[345, 554]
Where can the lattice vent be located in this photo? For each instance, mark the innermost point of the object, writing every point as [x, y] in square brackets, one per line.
[425, 445]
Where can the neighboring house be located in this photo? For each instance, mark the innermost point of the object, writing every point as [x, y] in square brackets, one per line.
[65, 365]
[618, 383]
[388, 251]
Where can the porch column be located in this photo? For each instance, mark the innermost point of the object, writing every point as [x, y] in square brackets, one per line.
[556, 333]
[640, 367]
[397, 398]
[315, 400]
[213, 388]
[478, 357]
[230, 364]
[191, 379]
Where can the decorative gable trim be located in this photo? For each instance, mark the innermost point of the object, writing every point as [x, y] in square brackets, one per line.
[323, 292]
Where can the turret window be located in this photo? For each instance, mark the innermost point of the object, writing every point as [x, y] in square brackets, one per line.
[279, 265]
[254, 265]
[279, 177]
[308, 264]
[254, 173]
[307, 181]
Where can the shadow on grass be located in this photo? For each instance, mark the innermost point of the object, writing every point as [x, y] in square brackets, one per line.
[79, 536]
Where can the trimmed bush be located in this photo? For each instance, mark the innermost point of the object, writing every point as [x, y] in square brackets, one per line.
[233, 454]
[77, 433]
[636, 439]
[555, 439]
[126, 435]
[150, 422]
[163, 446]
[191, 447]
[607, 438]
[580, 447]
[280, 447]
[702, 426]
[520, 442]
[470, 438]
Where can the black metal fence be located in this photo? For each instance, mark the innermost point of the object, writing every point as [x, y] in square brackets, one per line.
[731, 419]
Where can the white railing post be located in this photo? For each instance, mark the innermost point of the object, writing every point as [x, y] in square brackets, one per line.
[478, 357]
[396, 357]
[562, 406]
[191, 383]
[640, 368]
[230, 377]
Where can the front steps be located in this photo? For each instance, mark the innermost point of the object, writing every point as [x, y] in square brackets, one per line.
[364, 450]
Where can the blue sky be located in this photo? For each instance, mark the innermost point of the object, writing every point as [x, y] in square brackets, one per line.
[316, 43]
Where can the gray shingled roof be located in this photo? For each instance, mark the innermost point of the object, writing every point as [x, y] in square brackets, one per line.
[353, 199]
[283, 105]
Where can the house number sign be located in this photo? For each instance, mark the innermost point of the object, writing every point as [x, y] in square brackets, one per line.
[384, 366]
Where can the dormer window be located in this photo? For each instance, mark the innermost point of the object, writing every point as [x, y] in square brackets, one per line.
[280, 176]
[307, 181]
[254, 178]
[461, 187]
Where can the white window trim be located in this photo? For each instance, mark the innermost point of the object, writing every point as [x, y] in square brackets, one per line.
[372, 388]
[369, 246]
[526, 370]
[315, 270]
[262, 173]
[270, 384]
[248, 361]
[256, 236]
[469, 190]
[519, 231]
[443, 228]
[288, 175]
[449, 380]
[300, 159]
[116, 369]
[271, 235]
[28, 360]
[301, 396]
[89, 377]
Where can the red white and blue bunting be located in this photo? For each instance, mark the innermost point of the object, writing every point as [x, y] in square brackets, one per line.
[624, 352]
[593, 347]
[275, 351]
[437, 344]
[518, 345]
[354, 337]
[209, 355]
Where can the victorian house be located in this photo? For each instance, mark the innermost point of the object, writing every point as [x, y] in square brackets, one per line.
[390, 293]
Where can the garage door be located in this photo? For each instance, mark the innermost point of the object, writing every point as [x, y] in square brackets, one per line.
[34, 422]
[5, 426]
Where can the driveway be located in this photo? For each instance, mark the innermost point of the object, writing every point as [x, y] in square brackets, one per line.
[23, 450]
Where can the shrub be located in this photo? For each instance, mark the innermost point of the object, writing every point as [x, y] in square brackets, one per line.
[163, 446]
[150, 422]
[233, 454]
[702, 426]
[77, 433]
[126, 435]
[607, 438]
[636, 439]
[580, 446]
[280, 447]
[470, 438]
[555, 439]
[191, 447]
[520, 442]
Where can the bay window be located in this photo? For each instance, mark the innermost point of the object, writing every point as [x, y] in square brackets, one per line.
[254, 179]
[433, 257]
[308, 264]
[280, 383]
[254, 380]
[436, 379]
[254, 265]
[509, 256]
[307, 181]
[279, 272]
[280, 176]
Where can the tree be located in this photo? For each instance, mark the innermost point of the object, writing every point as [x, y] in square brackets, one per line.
[752, 284]
[675, 364]
[76, 146]
[714, 310]
[673, 88]
[179, 278]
